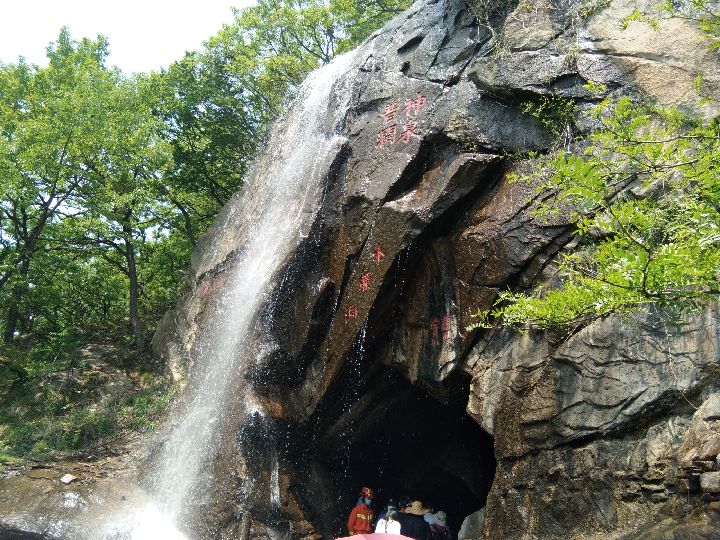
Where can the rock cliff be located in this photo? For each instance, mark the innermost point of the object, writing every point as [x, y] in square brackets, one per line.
[362, 360]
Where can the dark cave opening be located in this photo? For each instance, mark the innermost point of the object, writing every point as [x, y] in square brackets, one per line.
[401, 441]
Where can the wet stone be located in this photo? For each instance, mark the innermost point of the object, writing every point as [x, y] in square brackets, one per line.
[68, 478]
[710, 482]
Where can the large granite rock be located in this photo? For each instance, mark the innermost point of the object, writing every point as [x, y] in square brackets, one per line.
[595, 435]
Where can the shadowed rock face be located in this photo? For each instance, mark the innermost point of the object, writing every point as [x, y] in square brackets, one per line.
[10, 533]
[362, 362]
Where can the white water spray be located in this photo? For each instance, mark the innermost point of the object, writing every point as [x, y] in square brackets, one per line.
[285, 192]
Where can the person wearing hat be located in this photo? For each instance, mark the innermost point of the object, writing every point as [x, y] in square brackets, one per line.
[438, 525]
[361, 517]
[412, 522]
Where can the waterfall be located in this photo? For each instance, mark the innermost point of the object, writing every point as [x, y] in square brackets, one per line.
[285, 190]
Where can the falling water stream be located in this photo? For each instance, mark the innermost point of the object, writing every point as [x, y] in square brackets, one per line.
[285, 189]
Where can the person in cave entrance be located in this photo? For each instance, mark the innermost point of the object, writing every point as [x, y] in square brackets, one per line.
[412, 521]
[361, 517]
[390, 507]
[438, 525]
[388, 524]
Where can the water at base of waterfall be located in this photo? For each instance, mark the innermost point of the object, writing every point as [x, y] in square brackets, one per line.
[148, 523]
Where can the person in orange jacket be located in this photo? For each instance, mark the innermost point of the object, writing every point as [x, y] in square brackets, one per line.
[361, 517]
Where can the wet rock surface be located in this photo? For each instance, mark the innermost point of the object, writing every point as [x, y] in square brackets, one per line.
[11, 533]
[612, 433]
[36, 503]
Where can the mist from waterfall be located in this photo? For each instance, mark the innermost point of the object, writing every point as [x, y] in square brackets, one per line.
[284, 191]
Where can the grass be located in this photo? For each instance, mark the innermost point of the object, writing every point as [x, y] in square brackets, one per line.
[55, 404]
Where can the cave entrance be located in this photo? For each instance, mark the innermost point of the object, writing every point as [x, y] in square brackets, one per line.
[400, 441]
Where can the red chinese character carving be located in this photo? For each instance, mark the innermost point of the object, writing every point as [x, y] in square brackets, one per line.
[205, 290]
[446, 327]
[386, 137]
[390, 112]
[365, 281]
[434, 325]
[378, 253]
[409, 106]
[351, 313]
[414, 105]
[409, 131]
[210, 287]
[419, 102]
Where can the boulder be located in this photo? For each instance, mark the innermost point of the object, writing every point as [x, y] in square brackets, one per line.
[596, 434]
[472, 526]
[710, 482]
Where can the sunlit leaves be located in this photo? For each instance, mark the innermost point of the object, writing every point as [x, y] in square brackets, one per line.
[80, 160]
[644, 196]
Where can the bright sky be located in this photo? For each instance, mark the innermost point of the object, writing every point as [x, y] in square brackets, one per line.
[144, 34]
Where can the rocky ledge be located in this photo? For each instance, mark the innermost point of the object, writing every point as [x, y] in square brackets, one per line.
[363, 361]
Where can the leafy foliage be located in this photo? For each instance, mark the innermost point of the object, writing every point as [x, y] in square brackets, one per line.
[108, 181]
[80, 158]
[644, 196]
[554, 113]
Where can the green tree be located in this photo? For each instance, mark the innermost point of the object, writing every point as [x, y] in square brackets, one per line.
[80, 159]
[47, 121]
[645, 200]
[123, 208]
[212, 128]
[74, 296]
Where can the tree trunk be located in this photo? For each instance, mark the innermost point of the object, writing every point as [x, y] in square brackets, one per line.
[135, 321]
[13, 316]
[187, 222]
